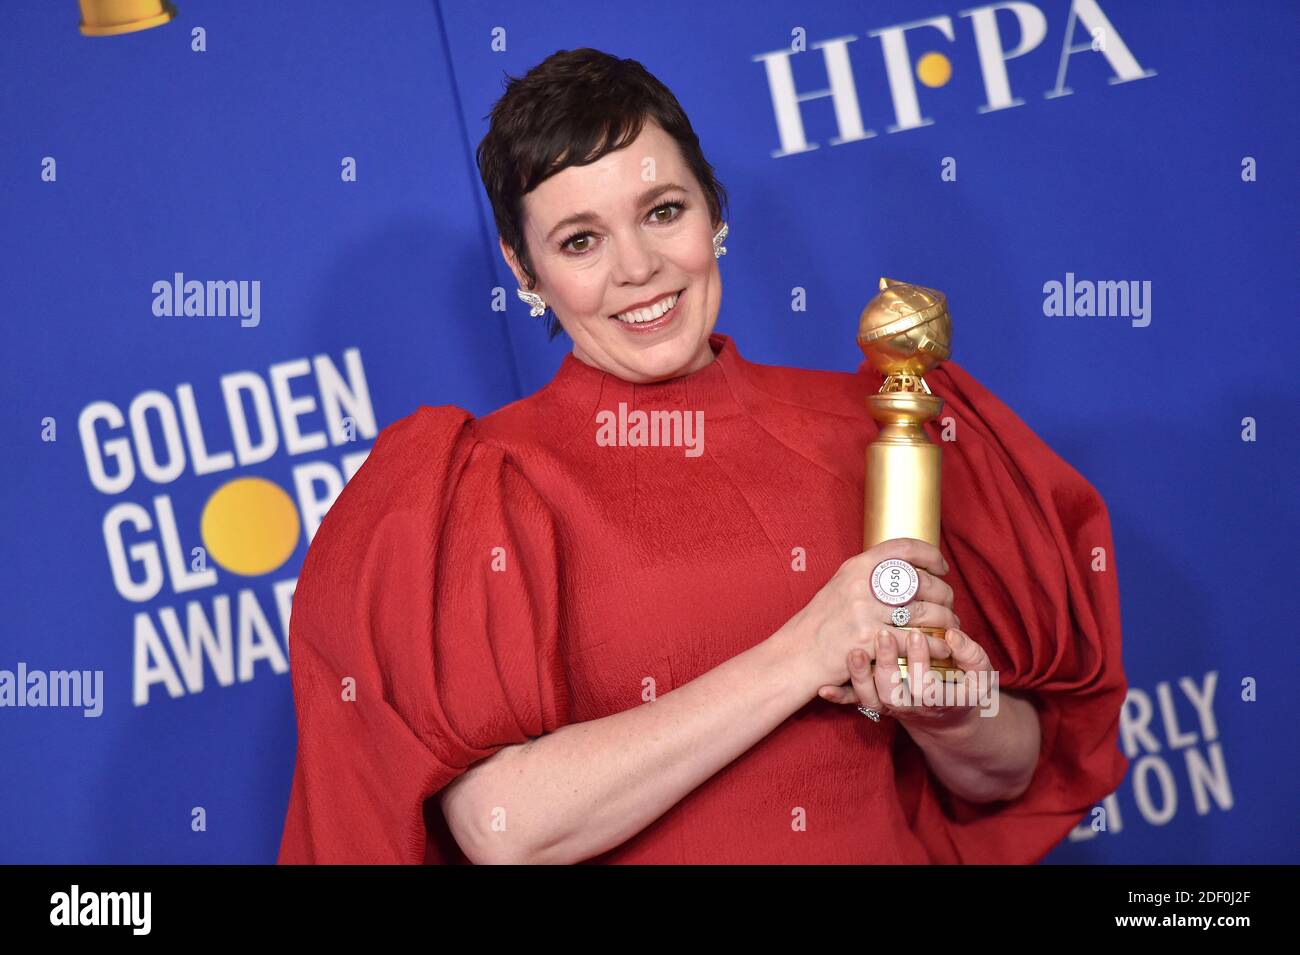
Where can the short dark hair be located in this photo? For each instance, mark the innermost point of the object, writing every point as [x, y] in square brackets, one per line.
[570, 110]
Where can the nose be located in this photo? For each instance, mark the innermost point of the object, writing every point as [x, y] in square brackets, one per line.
[635, 259]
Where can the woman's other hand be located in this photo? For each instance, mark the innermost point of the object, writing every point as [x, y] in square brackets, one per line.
[883, 688]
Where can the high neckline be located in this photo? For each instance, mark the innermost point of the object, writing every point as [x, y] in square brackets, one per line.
[713, 388]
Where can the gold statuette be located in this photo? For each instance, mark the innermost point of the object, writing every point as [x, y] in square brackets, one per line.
[115, 17]
[905, 331]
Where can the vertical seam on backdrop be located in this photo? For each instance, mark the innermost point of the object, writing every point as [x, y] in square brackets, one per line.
[484, 231]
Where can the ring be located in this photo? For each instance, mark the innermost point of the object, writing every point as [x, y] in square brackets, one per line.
[868, 711]
[901, 616]
[895, 581]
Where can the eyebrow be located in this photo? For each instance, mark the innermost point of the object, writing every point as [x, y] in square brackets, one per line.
[644, 199]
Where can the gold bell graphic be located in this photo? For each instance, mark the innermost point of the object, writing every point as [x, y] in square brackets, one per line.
[113, 17]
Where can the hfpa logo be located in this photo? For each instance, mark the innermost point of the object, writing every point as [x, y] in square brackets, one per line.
[934, 69]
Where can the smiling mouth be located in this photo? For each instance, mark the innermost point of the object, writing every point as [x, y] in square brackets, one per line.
[644, 319]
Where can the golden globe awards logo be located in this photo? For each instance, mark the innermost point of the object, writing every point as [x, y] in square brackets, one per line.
[214, 622]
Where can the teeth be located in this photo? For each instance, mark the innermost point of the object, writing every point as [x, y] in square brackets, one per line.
[640, 315]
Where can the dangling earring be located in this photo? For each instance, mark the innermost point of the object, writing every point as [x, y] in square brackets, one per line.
[532, 298]
[719, 250]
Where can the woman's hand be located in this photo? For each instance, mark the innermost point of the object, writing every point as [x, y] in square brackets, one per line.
[883, 689]
[845, 614]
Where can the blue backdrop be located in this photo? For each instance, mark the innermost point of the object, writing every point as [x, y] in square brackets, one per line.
[320, 156]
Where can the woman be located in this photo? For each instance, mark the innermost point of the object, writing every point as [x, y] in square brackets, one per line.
[541, 637]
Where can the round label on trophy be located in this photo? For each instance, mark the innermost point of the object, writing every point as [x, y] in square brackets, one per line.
[894, 581]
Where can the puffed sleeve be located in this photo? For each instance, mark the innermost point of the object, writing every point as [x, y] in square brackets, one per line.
[423, 638]
[1034, 578]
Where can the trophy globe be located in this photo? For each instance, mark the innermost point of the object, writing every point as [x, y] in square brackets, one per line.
[905, 331]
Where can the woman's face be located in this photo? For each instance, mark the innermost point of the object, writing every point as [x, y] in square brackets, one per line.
[643, 235]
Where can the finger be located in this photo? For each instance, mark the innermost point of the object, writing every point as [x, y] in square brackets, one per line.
[970, 681]
[939, 647]
[838, 694]
[888, 679]
[918, 553]
[864, 686]
[862, 682]
[918, 666]
[926, 614]
[966, 653]
[933, 589]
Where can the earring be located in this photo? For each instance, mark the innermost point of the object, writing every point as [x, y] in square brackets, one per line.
[532, 298]
[719, 250]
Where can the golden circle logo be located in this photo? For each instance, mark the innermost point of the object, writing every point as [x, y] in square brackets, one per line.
[933, 69]
[250, 526]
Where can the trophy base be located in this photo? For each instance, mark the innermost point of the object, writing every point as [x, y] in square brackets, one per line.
[945, 669]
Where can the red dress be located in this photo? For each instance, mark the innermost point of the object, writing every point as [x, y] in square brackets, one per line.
[627, 562]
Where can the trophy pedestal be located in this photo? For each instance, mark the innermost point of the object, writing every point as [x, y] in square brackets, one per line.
[902, 470]
[944, 669]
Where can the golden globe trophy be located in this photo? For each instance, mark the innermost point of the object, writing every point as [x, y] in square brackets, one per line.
[905, 331]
